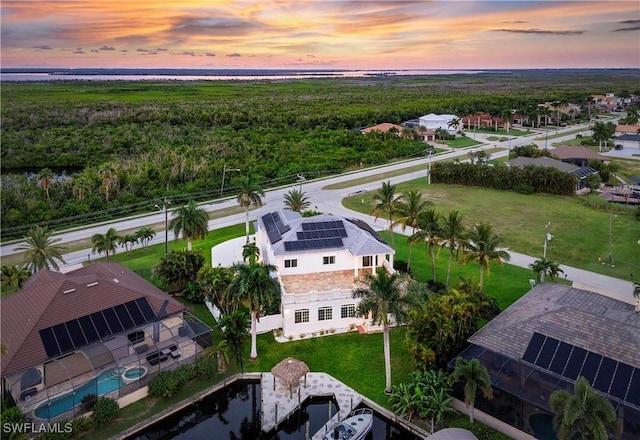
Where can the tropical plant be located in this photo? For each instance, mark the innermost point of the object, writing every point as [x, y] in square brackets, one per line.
[190, 221]
[254, 285]
[386, 202]
[220, 352]
[296, 200]
[383, 298]
[481, 246]
[234, 325]
[108, 175]
[127, 241]
[636, 290]
[214, 281]
[602, 132]
[145, 235]
[429, 231]
[13, 277]
[178, 268]
[453, 236]
[409, 211]
[474, 376]
[250, 253]
[41, 251]
[584, 414]
[544, 267]
[107, 242]
[45, 178]
[250, 195]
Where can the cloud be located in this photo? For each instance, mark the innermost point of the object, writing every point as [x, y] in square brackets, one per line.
[161, 49]
[210, 54]
[629, 21]
[107, 48]
[234, 55]
[43, 47]
[189, 54]
[95, 51]
[632, 28]
[538, 32]
[142, 50]
[78, 51]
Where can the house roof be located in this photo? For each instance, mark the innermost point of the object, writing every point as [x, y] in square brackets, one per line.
[581, 318]
[629, 137]
[435, 117]
[383, 128]
[627, 128]
[52, 298]
[570, 152]
[358, 237]
[546, 162]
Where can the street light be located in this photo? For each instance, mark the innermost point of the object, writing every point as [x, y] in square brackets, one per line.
[224, 172]
[611, 215]
[429, 172]
[301, 180]
[165, 209]
[547, 238]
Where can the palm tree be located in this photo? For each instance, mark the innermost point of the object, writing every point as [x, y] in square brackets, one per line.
[474, 375]
[482, 247]
[383, 298]
[250, 252]
[453, 233]
[600, 133]
[45, 179]
[13, 277]
[544, 267]
[41, 251]
[250, 194]
[81, 186]
[583, 414]
[220, 352]
[386, 202]
[190, 221]
[409, 211]
[254, 285]
[106, 243]
[127, 241]
[109, 178]
[145, 235]
[429, 230]
[214, 281]
[296, 200]
[234, 326]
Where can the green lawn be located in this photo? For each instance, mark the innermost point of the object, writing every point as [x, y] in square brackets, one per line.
[501, 131]
[581, 234]
[461, 142]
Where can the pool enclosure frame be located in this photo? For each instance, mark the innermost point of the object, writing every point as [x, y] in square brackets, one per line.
[56, 387]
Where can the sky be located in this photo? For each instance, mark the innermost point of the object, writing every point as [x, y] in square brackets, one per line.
[320, 34]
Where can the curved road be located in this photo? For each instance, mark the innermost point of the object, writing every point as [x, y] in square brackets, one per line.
[330, 201]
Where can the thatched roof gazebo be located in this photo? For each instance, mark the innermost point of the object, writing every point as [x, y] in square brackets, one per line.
[290, 370]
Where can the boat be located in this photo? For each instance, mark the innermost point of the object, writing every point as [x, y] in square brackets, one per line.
[355, 427]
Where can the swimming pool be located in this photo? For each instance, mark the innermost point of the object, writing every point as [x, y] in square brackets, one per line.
[106, 382]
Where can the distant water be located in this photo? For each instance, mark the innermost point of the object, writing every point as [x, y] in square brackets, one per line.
[207, 74]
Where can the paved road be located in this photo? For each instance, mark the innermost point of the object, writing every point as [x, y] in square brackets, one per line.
[329, 201]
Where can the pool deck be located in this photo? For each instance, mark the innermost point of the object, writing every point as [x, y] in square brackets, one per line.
[281, 403]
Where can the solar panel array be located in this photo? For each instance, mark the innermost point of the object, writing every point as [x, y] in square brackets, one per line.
[366, 227]
[70, 335]
[274, 226]
[318, 235]
[615, 378]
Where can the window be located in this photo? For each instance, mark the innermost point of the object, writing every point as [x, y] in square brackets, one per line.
[367, 261]
[325, 313]
[329, 260]
[291, 263]
[136, 337]
[301, 315]
[348, 311]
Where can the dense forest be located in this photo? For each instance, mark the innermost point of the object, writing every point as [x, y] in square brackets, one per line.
[76, 151]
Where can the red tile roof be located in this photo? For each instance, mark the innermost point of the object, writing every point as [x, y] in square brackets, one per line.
[383, 128]
[50, 298]
[573, 152]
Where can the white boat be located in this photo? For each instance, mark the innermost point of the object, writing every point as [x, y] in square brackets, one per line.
[355, 427]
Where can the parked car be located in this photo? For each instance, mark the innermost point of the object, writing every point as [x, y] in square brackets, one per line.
[618, 147]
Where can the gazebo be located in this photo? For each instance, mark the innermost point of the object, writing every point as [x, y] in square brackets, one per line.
[290, 370]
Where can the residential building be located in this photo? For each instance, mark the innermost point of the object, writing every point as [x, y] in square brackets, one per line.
[628, 140]
[434, 122]
[579, 156]
[581, 172]
[384, 128]
[546, 340]
[319, 261]
[627, 129]
[100, 330]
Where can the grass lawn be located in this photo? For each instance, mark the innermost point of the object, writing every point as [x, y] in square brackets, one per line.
[581, 234]
[461, 142]
[501, 131]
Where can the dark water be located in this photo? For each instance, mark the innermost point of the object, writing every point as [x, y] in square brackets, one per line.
[234, 413]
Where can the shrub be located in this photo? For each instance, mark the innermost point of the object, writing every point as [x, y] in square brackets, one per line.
[400, 265]
[82, 424]
[302, 335]
[166, 383]
[482, 432]
[88, 401]
[104, 411]
[523, 188]
[206, 367]
[277, 332]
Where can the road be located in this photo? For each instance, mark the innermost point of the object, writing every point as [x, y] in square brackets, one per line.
[330, 201]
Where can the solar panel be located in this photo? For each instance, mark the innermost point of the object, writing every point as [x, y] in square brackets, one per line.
[271, 228]
[574, 365]
[591, 366]
[112, 320]
[87, 327]
[633, 395]
[62, 335]
[318, 243]
[621, 381]
[146, 310]
[135, 312]
[321, 233]
[77, 336]
[282, 228]
[123, 315]
[100, 324]
[605, 374]
[533, 348]
[366, 227]
[49, 342]
[560, 360]
[547, 353]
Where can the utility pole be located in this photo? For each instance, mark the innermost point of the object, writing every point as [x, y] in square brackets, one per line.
[547, 238]
[165, 208]
[224, 173]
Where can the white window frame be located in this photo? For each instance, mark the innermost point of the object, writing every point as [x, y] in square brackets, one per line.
[347, 311]
[301, 315]
[293, 262]
[325, 313]
[329, 259]
[370, 260]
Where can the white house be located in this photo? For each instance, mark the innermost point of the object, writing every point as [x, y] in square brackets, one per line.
[319, 261]
[433, 122]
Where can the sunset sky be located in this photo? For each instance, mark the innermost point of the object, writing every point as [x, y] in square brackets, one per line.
[326, 34]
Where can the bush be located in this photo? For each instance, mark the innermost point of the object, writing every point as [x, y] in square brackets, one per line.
[105, 410]
[88, 401]
[482, 432]
[400, 265]
[166, 383]
[206, 366]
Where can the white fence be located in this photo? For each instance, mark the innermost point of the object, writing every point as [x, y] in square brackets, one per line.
[265, 324]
